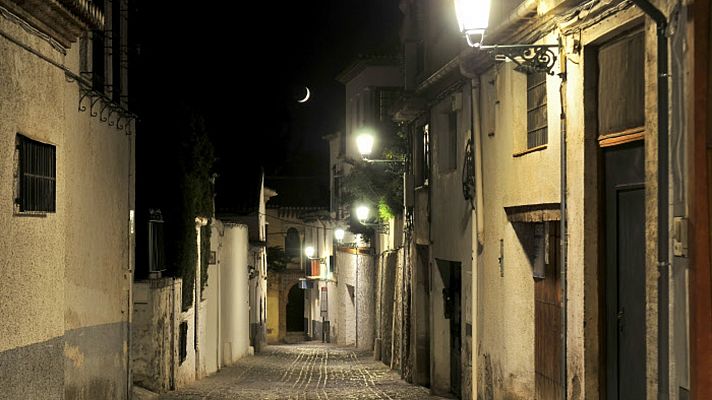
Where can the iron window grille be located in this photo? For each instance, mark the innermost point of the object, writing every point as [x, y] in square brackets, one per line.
[424, 156]
[537, 130]
[37, 185]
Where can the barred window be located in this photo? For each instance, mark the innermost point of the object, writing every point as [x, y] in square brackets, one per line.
[537, 132]
[422, 156]
[37, 170]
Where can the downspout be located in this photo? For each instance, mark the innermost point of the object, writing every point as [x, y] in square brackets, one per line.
[476, 229]
[563, 234]
[356, 298]
[663, 252]
[130, 273]
[477, 238]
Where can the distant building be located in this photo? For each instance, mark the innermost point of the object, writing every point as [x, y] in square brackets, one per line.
[301, 292]
[67, 178]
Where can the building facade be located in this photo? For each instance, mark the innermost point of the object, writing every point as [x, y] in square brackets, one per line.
[551, 208]
[67, 151]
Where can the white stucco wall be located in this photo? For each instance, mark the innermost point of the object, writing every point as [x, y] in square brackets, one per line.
[235, 323]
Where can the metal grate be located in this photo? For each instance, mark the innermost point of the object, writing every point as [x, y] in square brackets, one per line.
[37, 176]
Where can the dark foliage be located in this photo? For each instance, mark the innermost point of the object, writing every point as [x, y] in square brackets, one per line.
[190, 195]
[277, 259]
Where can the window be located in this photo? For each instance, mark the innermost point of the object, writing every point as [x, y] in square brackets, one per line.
[98, 53]
[292, 243]
[182, 341]
[386, 98]
[452, 140]
[424, 154]
[537, 131]
[447, 142]
[156, 252]
[117, 50]
[621, 85]
[37, 170]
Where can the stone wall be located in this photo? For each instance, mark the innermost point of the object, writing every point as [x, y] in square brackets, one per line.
[154, 333]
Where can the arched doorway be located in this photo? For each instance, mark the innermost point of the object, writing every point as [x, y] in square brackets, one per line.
[295, 309]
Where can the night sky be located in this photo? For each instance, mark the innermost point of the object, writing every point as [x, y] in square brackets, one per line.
[241, 66]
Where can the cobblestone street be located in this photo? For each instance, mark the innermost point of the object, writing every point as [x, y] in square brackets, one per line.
[303, 371]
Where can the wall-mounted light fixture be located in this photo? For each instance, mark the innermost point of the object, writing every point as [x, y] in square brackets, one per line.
[339, 235]
[363, 213]
[473, 19]
[364, 142]
[309, 252]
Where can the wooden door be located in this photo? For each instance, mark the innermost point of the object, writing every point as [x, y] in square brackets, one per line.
[547, 311]
[625, 271]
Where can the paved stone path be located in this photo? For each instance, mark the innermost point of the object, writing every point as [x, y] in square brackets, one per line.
[303, 371]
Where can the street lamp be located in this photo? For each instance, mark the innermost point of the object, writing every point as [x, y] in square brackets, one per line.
[362, 213]
[339, 235]
[364, 142]
[309, 252]
[473, 18]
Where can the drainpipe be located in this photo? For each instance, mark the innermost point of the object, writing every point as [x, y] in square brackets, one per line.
[199, 223]
[130, 272]
[477, 229]
[663, 252]
[563, 234]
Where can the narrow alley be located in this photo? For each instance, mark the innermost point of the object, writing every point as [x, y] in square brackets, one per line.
[303, 371]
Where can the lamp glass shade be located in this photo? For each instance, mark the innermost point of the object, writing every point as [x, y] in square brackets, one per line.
[472, 16]
[362, 213]
[309, 251]
[364, 142]
[339, 234]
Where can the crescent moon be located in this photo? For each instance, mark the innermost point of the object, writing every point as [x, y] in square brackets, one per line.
[304, 100]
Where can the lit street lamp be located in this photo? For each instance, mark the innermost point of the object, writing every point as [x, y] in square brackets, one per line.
[362, 213]
[473, 18]
[364, 142]
[309, 252]
[339, 235]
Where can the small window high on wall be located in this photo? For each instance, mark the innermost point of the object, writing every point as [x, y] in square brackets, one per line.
[37, 171]
[537, 124]
[292, 244]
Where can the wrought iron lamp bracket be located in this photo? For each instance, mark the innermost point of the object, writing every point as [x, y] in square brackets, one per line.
[529, 58]
[379, 227]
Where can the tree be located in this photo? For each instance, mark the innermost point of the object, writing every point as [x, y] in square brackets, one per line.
[189, 195]
[379, 185]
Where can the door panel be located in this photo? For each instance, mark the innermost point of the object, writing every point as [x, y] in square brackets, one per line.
[547, 325]
[625, 271]
[631, 293]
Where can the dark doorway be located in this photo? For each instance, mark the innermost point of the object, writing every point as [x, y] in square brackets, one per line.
[547, 313]
[624, 270]
[452, 295]
[295, 309]
[421, 300]
[455, 329]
